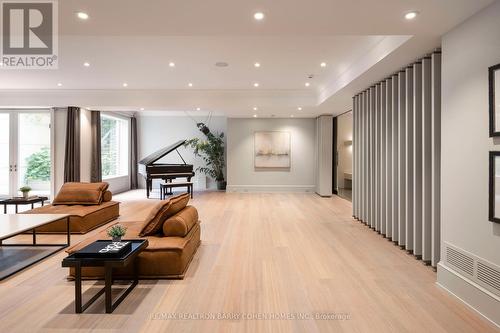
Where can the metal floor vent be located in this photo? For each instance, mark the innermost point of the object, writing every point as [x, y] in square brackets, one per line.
[460, 260]
[484, 273]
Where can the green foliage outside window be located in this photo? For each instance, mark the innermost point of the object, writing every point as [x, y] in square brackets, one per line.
[38, 166]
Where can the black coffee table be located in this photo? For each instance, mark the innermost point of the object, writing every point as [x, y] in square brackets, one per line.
[20, 201]
[108, 263]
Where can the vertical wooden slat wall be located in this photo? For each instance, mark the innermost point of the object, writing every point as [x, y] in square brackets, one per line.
[396, 157]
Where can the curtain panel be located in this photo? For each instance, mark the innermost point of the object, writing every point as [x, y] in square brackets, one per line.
[133, 153]
[72, 149]
[95, 127]
[397, 157]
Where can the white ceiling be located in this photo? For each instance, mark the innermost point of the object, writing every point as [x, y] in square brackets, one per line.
[133, 41]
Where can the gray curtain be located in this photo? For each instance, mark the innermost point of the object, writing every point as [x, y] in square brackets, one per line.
[133, 153]
[396, 167]
[72, 150]
[95, 127]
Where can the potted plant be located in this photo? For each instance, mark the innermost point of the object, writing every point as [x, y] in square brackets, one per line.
[212, 152]
[26, 191]
[116, 232]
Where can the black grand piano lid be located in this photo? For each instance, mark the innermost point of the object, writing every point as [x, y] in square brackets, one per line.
[150, 159]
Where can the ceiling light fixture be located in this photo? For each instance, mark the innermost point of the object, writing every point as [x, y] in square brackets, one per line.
[190, 84]
[299, 108]
[323, 64]
[198, 109]
[171, 64]
[82, 15]
[291, 116]
[307, 84]
[255, 116]
[259, 16]
[142, 109]
[59, 84]
[255, 108]
[411, 15]
[125, 84]
[256, 84]
[257, 64]
[86, 64]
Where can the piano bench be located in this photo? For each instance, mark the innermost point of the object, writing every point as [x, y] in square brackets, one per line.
[165, 187]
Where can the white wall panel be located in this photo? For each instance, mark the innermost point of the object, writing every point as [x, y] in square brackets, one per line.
[426, 195]
[436, 158]
[382, 155]
[388, 158]
[402, 157]
[395, 158]
[409, 159]
[417, 159]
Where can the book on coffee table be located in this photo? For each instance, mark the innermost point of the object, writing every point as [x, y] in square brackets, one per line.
[104, 249]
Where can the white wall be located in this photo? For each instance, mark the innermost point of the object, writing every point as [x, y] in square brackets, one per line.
[324, 155]
[344, 133]
[156, 132]
[242, 176]
[468, 51]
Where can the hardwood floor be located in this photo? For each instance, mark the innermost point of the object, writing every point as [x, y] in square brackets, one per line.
[262, 255]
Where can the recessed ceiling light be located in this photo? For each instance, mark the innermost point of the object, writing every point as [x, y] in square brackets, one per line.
[86, 64]
[1, 64]
[171, 64]
[411, 15]
[125, 84]
[255, 116]
[142, 109]
[323, 64]
[198, 109]
[255, 108]
[82, 15]
[257, 64]
[291, 116]
[190, 84]
[256, 84]
[259, 16]
[307, 84]
[299, 108]
[59, 84]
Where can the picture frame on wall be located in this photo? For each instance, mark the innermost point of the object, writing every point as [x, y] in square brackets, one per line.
[494, 99]
[494, 187]
[272, 150]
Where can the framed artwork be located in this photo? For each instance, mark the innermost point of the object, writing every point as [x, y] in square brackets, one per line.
[272, 150]
[494, 99]
[494, 184]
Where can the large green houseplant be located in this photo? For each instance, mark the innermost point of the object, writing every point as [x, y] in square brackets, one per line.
[211, 151]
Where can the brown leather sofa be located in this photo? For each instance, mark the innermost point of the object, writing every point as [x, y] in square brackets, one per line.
[171, 248]
[88, 204]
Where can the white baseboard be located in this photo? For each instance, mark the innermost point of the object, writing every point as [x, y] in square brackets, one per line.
[271, 188]
[473, 295]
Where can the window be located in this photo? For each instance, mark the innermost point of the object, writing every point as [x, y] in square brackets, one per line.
[114, 146]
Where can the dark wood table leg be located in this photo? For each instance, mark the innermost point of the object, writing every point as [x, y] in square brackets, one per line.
[108, 277]
[16, 208]
[68, 230]
[34, 236]
[5, 209]
[78, 288]
[33, 205]
[43, 202]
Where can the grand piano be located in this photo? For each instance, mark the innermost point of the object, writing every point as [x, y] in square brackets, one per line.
[151, 170]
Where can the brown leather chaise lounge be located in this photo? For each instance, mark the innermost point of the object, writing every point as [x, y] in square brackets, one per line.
[173, 232]
[88, 204]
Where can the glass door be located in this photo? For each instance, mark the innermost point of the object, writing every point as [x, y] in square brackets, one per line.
[33, 152]
[25, 152]
[5, 155]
